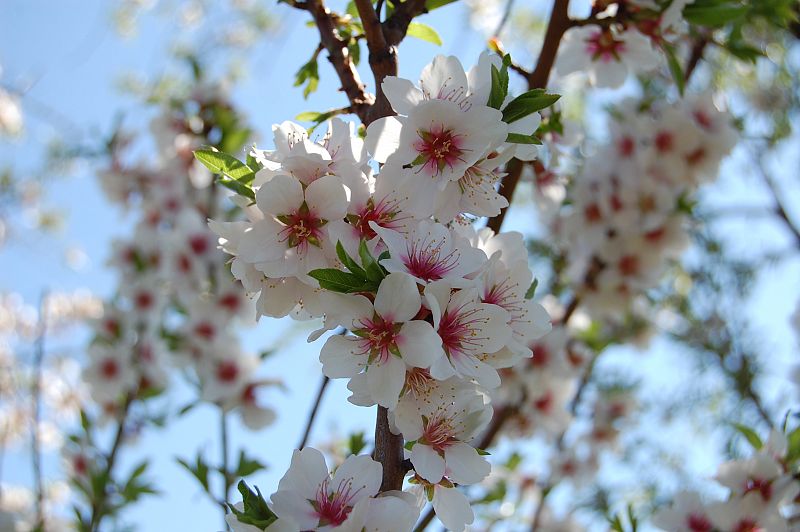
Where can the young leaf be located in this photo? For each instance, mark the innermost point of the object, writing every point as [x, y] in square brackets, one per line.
[227, 165]
[714, 15]
[532, 289]
[338, 281]
[255, 510]
[675, 67]
[424, 32]
[247, 466]
[348, 261]
[519, 138]
[750, 435]
[528, 103]
[499, 89]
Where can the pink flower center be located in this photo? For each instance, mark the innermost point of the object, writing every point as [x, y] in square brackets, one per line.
[699, 523]
[425, 259]
[461, 330]
[383, 213]
[227, 371]
[541, 355]
[378, 338]
[664, 141]
[109, 368]
[602, 45]
[544, 403]
[199, 244]
[205, 330]
[764, 487]
[302, 227]
[437, 148]
[438, 434]
[747, 525]
[333, 508]
[230, 302]
[626, 146]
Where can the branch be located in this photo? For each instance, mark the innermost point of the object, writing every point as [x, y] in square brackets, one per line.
[780, 206]
[389, 452]
[314, 410]
[339, 56]
[558, 25]
[36, 394]
[98, 506]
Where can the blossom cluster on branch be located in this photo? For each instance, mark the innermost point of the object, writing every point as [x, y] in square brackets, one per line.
[433, 306]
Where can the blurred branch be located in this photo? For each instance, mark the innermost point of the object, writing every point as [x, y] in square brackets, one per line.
[559, 23]
[314, 410]
[99, 510]
[36, 394]
[780, 206]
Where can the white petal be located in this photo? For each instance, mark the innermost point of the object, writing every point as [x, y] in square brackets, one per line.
[327, 198]
[383, 137]
[427, 463]
[366, 475]
[419, 344]
[465, 465]
[401, 93]
[385, 381]
[398, 299]
[339, 358]
[452, 508]
[306, 472]
[281, 195]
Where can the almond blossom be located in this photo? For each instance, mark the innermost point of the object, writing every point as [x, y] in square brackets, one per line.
[387, 340]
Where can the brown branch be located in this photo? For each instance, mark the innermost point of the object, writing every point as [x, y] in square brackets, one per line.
[389, 452]
[314, 410]
[695, 56]
[360, 100]
[559, 23]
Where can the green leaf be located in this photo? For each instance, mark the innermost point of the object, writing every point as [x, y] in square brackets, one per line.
[255, 512]
[238, 187]
[424, 32]
[519, 138]
[430, 5]
[499, 89]
[532, 289]
[528, 103]
[793, 446]
[714, 16]
[750, 435]
[339, 281]
[374, 271]
[198, 471]
[348, 261]
[308, 74]
[228, 165]
[357, 442]
[247, 466]
[675, 67]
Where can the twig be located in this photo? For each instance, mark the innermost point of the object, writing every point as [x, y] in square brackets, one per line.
[558, 24]
[314, 411]
[504, 20]
[780, 207]
[36, 394]
[98, 506]
[695, 56]
[227, 479]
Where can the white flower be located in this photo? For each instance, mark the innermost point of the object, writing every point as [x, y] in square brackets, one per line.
[431, 252]
[439, 417]
[605, 54]
[289, 240]
[471, 332]
[687, 512]
[437, 139]
[313, 499]
[387, 340]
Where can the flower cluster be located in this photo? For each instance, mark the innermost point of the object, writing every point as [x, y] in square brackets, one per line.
[629, 202]
[760, 487]
[432, 307]
[177, 303]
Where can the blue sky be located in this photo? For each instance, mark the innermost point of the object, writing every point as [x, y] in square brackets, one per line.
[72, 57]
